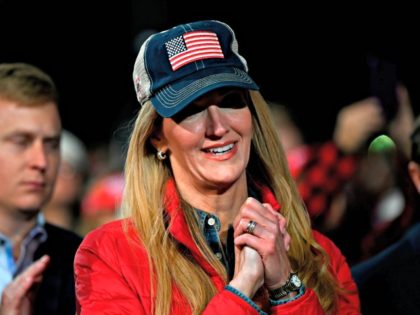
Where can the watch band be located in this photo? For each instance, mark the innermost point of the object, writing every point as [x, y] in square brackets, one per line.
[293, 283]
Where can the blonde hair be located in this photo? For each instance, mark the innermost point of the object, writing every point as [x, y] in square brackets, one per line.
[26, 84]
[143, 203]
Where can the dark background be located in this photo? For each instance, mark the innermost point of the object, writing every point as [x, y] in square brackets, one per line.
[312, 59]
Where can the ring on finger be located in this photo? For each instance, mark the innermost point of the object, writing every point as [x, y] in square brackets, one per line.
[251, 227]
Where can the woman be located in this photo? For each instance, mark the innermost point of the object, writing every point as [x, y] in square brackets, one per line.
[214, 223]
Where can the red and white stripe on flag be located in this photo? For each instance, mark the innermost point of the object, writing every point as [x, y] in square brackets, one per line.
[193, 46]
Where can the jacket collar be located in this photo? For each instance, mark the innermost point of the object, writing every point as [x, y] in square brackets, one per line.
[178, 227]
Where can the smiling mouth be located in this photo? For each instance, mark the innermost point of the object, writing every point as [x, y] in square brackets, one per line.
[220, 150]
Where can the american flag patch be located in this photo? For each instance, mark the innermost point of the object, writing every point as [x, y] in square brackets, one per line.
[193, 46]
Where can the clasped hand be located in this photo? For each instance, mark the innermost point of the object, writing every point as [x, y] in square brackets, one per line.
[261, 256]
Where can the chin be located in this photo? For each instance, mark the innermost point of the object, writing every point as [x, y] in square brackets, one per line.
[30, 212]
[31, 206]
[223, 180]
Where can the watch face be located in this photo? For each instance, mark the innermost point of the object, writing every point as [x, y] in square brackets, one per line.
[295, 281]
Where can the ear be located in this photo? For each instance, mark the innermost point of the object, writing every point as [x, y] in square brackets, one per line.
[158, 141]
[414, 171]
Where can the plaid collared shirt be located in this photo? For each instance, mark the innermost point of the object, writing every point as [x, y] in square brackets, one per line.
[9, 268]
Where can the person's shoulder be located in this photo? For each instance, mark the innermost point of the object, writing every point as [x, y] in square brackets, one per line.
[114, 242]
[413, 236]
[113, 227]
[337, 262]
[397, 256]
[336, 257]
[324, 241]
[55, 232]
[60, 244]
[107, 233]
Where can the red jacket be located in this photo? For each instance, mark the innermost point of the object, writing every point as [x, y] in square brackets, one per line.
[112, 274]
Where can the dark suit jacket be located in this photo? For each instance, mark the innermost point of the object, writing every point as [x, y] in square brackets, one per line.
[56, 293]
[389, 283]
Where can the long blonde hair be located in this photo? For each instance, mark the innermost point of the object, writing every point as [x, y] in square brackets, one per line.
[143, 203]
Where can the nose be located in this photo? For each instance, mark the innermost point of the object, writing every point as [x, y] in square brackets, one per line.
[38, 156]
[216, 122]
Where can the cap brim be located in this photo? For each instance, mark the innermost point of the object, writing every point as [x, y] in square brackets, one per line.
[174, 97]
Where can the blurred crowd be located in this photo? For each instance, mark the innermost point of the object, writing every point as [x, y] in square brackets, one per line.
[357, 182]
[89, 185]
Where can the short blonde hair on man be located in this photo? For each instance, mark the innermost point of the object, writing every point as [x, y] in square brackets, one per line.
[26, 84]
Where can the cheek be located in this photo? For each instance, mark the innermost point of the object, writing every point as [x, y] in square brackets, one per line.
[243, 123]
[54, 161]
[179, 137]
[4, 171]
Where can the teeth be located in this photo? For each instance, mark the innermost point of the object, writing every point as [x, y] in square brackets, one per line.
[221, 150]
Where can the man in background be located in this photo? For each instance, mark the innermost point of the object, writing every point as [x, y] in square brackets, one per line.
[36, 258]
[389, 282]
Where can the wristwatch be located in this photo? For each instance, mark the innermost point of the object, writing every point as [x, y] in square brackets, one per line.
[292, 284]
